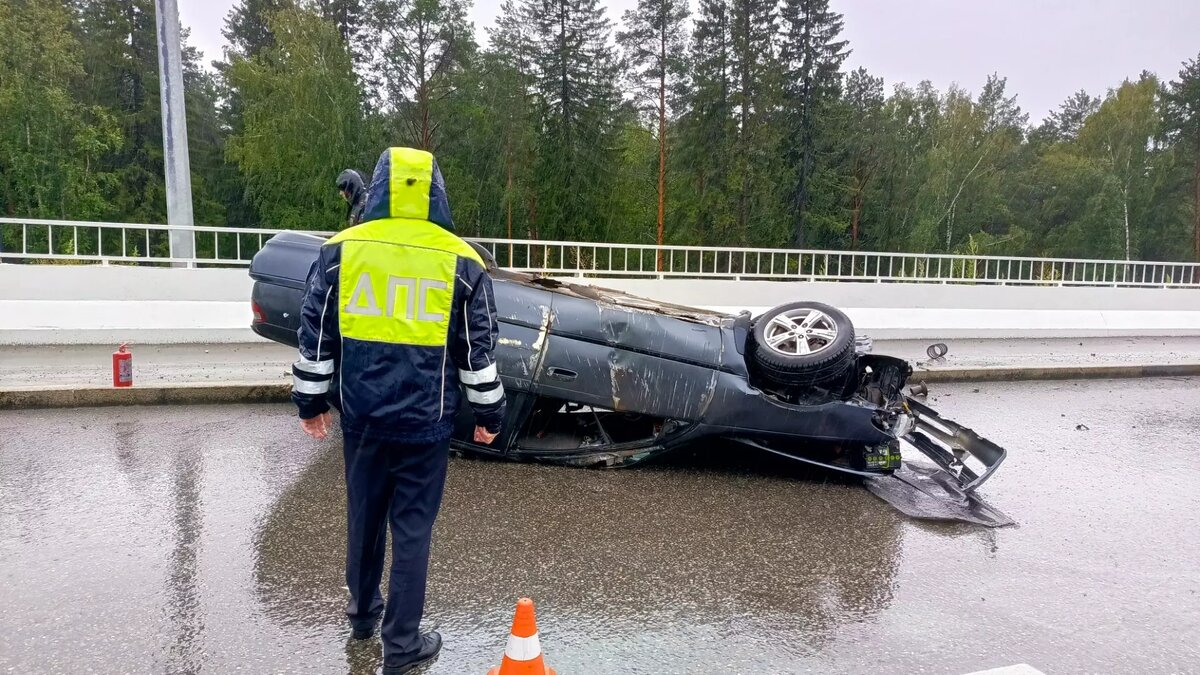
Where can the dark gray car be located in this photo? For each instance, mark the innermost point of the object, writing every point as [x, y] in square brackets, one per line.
[600, 377]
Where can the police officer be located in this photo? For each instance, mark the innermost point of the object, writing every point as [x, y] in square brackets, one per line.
[350, 186]
[401, 311]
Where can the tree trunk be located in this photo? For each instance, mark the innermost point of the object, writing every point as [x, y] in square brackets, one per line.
[508, 207]
[802, 192]
[532, 230]
[426, 133]
[745, 84]
[855, 215]
[950, 227]
[662, 139]
[1196, 205]
[424, 142]
[1125, 205]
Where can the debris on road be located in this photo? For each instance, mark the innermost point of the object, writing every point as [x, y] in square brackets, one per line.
[924, 492]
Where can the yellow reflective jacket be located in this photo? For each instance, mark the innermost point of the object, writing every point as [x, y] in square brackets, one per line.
[401, 312]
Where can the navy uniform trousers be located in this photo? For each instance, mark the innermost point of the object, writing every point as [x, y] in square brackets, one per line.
[401, 485]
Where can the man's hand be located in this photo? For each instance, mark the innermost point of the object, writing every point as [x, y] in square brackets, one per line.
[484, 436]
[318, 427]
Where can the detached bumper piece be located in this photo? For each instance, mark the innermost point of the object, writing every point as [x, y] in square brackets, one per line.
[970, 458]
[927, 492]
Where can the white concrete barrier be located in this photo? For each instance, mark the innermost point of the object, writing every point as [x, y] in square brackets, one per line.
[78, 304]
[94, 304]
[951, 311]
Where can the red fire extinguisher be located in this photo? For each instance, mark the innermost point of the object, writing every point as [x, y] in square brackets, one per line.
[122, 367]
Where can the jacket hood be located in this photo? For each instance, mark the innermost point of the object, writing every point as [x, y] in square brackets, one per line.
[408, 184]
[351, 182]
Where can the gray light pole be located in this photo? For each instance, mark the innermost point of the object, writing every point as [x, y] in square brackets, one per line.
[174, 120]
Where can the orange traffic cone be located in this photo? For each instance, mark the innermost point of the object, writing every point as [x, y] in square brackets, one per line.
[523, 654]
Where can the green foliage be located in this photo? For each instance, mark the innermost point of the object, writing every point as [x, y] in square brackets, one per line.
[703, 207]
[812, 56]
[747, 132]
[302, 121]
[574, 83]
[1182, 126]
[424, 46]
[756, 95]
[1118, 138]
[51, 144]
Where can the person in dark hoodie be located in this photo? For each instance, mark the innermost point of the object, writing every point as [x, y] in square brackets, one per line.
[401, 312]
[350, 185]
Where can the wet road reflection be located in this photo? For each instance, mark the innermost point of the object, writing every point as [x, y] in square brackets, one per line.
[210, 539]
[670, 555]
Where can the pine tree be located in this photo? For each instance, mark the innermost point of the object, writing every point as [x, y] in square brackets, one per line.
[120, 54]
[864, 141]
[348, 16]
[653, 42]
[246, 27]
[507, 94]
[1070, 116]
[707, 132]
[424, 46]
[812, 56]
[353, 21]
[575, 84]
[1183, 125]
[756, 96]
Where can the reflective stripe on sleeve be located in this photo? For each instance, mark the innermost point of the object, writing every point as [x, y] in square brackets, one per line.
[484, 376]
[305, 387]
[485, 397]
[315, 367]
[523, 648]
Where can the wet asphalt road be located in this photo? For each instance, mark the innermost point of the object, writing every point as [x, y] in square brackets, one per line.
[209, 539]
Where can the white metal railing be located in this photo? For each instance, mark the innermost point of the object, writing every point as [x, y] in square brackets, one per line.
[68, 242]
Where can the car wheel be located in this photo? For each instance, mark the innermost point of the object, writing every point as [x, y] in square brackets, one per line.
[802, 343]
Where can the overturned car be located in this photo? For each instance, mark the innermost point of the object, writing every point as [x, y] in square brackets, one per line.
[597, 377]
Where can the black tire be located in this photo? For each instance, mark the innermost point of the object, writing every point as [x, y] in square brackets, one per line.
[828, 362]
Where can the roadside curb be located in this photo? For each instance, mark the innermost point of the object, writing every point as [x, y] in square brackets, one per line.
[85, 397]
[280, 392]
[1035, 373]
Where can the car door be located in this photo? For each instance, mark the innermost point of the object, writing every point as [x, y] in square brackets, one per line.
[623, 359]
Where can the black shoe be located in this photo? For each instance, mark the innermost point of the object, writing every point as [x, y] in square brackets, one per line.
[363, 631]
[431, 645]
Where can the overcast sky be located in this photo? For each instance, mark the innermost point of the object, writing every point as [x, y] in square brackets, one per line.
[1047, 49]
